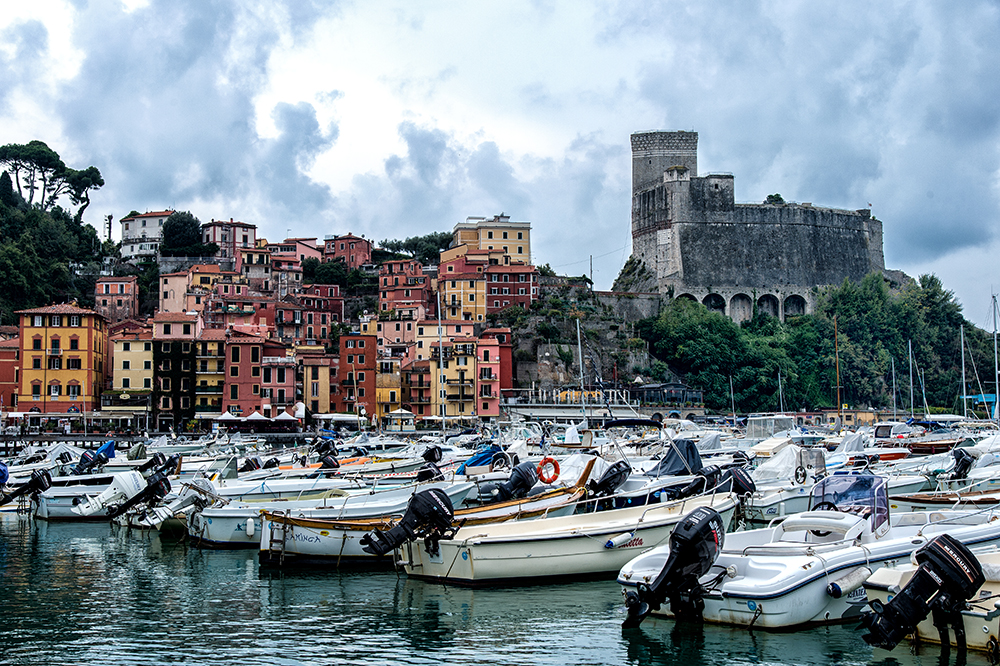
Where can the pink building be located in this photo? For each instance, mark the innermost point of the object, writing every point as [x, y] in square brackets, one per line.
[231, 237]
[405, 291]
[355, 252]
[117, 298]
[242, 392]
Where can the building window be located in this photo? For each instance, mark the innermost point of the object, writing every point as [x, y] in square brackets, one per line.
[166, 329]
[36, 363]
[55, 321]
[125, 382]
[234, 371]
[234, 391]
[165, 403]
[73, 364]
[126, 346]
[36, 344]
[235, 354]
[165, 383]
[126, 365]
[256, 389]
[55, 363]
[255, 371]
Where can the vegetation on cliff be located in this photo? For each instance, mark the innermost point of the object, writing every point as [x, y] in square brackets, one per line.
[874, 328]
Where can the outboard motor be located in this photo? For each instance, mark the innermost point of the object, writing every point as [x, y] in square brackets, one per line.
[39, 481]
[360, 452]
[325, 447]
[157, 487]
[90, 462]
[614, 476]
[695, 544]
[156, 460]
[64, 458]
[271, 463]
[329, 462]
[963, 463]
[197, 493]
[433, 454]
[429, 515]
[521, 480]
[429, 472]
[947, 577]
[251, 465]
[707, 478]
[737, 480]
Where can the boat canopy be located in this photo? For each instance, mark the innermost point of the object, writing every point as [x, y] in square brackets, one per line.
[681, 457]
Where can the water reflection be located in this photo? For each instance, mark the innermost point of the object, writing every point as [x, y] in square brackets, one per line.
[97, 595]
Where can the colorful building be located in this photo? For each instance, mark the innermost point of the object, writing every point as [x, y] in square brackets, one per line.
[355, 252]
[405, 291]
[141, 235]
[356, 374]
[64, 352]
[496, 233]
[117, 298]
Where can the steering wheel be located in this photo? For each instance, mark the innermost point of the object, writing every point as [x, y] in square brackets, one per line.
[823, 506]
[800, 474]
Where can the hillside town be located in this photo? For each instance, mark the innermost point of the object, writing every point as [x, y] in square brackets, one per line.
[242, 333]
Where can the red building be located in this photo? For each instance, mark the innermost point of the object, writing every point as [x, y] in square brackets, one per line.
[505, 349]
[277, 379]
[356, 374]
[405, 290]
[241, 394]
[10, 371]
[355, 252]
[510, 284]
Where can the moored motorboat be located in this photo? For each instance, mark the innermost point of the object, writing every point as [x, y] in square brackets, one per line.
[809, 568]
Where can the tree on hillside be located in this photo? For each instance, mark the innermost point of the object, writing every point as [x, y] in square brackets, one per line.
[309, 266]
[38, 170]
[425, 249]
[182, 237]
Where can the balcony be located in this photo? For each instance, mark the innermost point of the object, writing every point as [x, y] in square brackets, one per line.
[55, 351]
[218, 354]
[208, 389]
[420, 401]
[278, 360]
[207, 409]
[461, 397]
[459, 382]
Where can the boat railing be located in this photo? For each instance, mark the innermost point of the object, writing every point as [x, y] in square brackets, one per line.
[982, 516]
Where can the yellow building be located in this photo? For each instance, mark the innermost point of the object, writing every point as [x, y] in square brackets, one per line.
[209, 372]
[453, 378]
[388, 387]
[133, 359]
[428, 331]
[496, 233]
[64, 352]
[319, 377]
[463, 296]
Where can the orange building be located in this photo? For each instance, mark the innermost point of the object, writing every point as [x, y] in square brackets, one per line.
[64, 352]
[117, 298]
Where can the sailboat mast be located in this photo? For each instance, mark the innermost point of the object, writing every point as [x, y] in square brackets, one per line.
[579, 350]
[996, 368]
[909, 352]
[781, 395]
[894, 417]
[965, 407]
[836, 350]
[440, 364]
[732, 399]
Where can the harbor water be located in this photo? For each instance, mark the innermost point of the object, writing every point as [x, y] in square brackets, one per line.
[94, 594]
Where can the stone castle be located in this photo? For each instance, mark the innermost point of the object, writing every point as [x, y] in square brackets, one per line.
[689, 232]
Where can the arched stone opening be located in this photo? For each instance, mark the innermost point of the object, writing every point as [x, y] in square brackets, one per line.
[715, 303]
[795, 305]
[768, 304]
[689, 297]
[740, 308]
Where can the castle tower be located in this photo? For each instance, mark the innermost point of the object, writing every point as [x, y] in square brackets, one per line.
[654, 152]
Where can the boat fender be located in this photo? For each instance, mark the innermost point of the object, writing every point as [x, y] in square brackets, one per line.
[543, 465]
[250, 527]
[620, 540]
[847, 584]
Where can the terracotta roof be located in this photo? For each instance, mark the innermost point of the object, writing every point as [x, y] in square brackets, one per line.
[123, 278]
[13, 342]
[174, 316]
[61, 308]
[160, 213]
[145, 334]
[212, 334]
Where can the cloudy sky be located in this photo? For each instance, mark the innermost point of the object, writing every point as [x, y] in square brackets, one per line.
[393, 119]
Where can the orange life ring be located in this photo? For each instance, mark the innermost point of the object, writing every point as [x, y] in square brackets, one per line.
[545, 462]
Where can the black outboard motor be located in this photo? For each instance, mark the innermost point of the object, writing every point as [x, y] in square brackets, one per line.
[695, 544]
[706, 479]
[156, 460]
[157, 487]
[39, 481]
[429, 515]
[271, 463]
[429, 472]
[251, 465]
[90, 462]
[325, 447]
[64, 458]
[433, 454]
[521, 480]
[963, 463]
[614, 476]
[737, 480]
[329, 462]
[947, 577]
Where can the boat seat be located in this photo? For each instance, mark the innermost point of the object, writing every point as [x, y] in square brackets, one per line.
[844, 525]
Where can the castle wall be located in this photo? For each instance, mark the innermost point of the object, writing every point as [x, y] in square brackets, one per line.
[700, 244]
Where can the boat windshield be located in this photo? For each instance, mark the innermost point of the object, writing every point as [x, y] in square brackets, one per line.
[861, 494]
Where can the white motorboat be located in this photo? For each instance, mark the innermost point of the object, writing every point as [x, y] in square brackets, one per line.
[805, 570]
[547, 550]
[287, 539]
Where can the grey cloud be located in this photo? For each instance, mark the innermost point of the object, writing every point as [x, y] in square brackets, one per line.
[29, 42]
